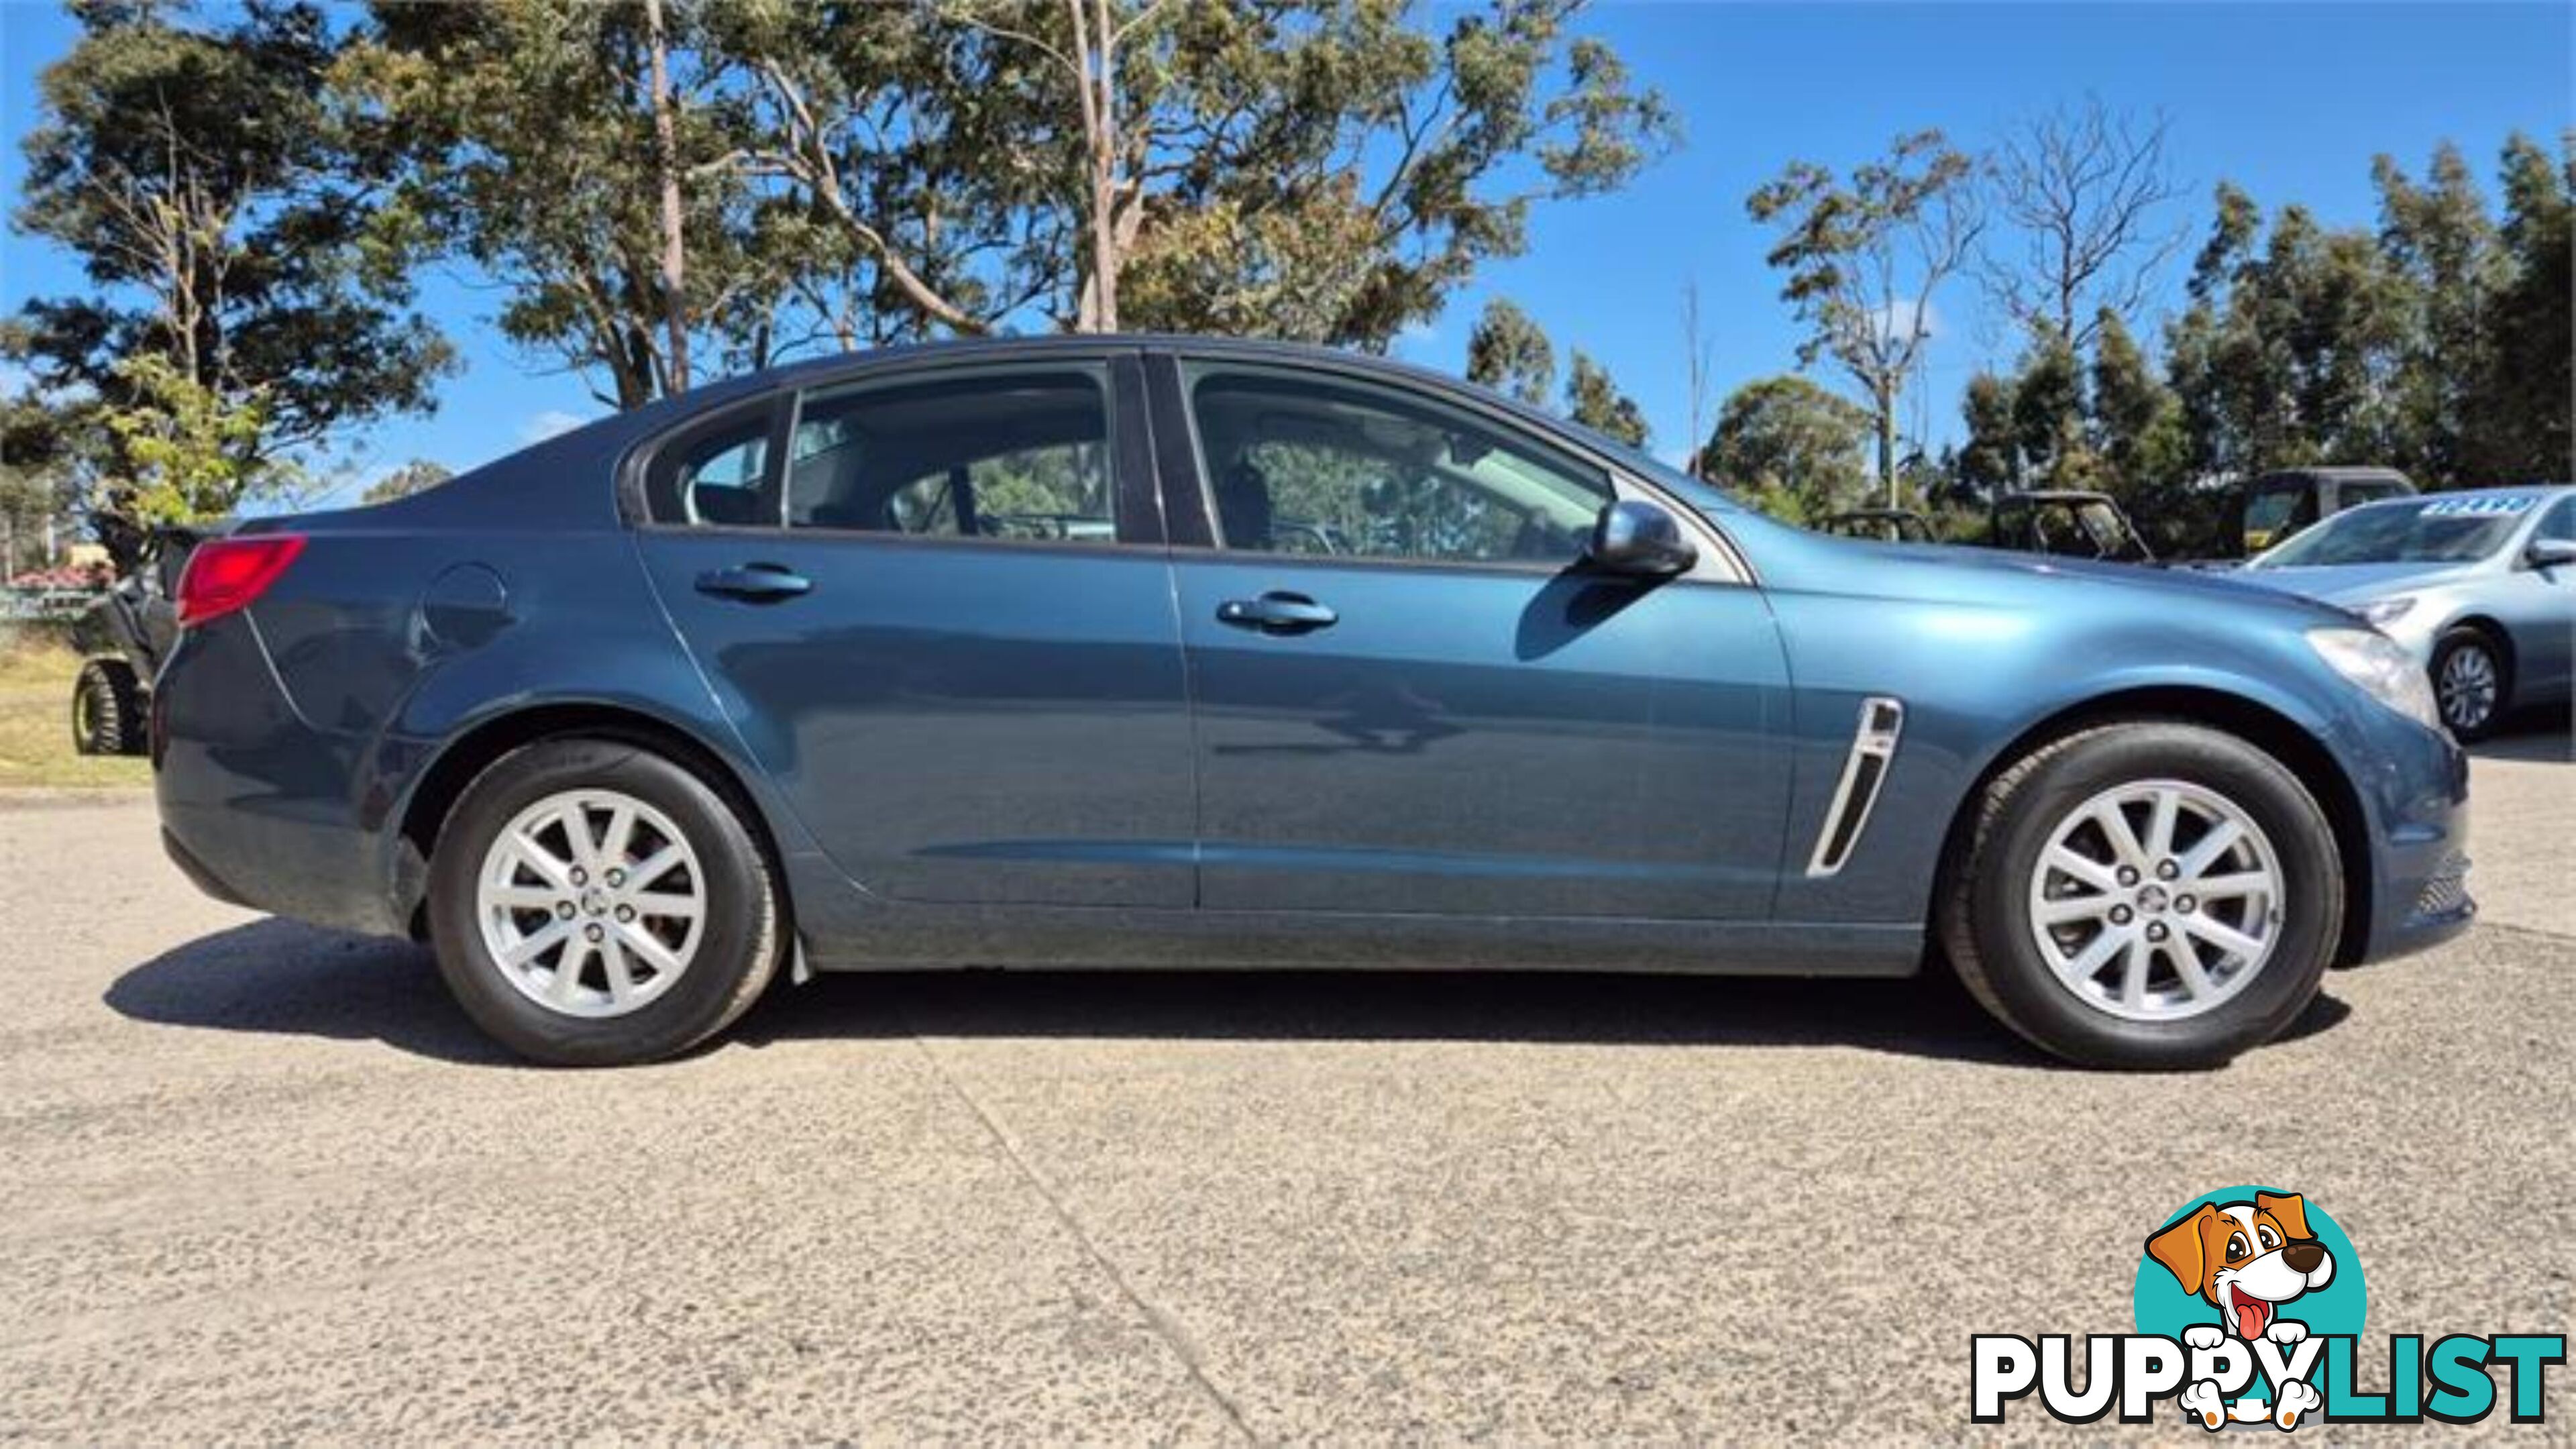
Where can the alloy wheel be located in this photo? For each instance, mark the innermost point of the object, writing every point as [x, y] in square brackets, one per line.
[2156, 900]
[591, 902]
[2467, 687]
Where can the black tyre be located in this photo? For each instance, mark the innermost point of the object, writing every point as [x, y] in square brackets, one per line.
[107, 709]
[595, 904]
[2472, 681]
[2146, 895]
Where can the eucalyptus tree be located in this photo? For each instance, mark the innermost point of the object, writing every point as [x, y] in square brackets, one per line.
[1865, 254]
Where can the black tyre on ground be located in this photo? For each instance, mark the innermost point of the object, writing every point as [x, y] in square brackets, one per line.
[596, 904]
[2145, 895]
[2472, 680]
[107, 709]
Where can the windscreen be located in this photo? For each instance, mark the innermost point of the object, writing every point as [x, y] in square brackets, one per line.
[2415, 530]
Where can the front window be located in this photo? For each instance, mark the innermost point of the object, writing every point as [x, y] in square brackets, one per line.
[1308, 466]
[2454, 529]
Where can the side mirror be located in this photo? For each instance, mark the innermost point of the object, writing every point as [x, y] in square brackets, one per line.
[2550, 553]
[1639, 539]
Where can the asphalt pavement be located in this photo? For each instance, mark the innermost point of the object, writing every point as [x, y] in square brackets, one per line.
[263, 1182]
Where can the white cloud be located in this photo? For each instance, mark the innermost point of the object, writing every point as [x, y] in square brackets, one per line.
[547, 424]
[1417, 337]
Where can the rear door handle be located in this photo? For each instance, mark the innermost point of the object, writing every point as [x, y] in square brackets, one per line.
[757, 583]
[1277, 613]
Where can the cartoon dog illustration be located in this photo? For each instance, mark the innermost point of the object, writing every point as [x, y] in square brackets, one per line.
[2246, 1259]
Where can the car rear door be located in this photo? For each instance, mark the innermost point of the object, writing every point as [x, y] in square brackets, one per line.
[938, 605]
[1409, 698]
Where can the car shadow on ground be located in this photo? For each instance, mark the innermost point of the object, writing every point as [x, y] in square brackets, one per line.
[2546, 735]
[282, 979]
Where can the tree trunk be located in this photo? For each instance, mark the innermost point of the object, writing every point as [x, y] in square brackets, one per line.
[1095, 60]
[1885, 398]
[666, 164]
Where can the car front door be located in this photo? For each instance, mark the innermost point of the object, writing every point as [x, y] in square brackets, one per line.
[939, 607]
[1410, 696]
[2541, 607]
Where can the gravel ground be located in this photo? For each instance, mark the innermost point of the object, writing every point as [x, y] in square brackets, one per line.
[261, 1182]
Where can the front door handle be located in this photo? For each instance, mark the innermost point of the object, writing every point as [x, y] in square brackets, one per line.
[1277, 613]
[758, 583]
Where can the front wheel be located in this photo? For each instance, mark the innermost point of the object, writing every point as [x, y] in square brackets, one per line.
[2146, 895]
[595, 904]
[2471, 682]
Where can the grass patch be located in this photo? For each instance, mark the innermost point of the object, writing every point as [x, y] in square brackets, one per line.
[36, 674]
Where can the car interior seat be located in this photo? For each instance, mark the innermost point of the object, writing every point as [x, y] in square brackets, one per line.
[1243, 507]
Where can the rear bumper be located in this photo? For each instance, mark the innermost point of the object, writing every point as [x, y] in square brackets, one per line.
[257, 806]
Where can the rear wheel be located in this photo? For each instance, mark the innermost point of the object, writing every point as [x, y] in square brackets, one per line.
[595, 904]
[107, 709]
[2472, 682]
[2146, 895]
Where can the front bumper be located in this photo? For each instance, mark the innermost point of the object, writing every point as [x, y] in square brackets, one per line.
[2415, 787]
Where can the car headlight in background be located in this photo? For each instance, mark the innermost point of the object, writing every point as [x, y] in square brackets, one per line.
[2383, 669]
[2384, 611]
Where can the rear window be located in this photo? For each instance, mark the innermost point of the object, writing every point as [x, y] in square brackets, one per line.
[1011, 454]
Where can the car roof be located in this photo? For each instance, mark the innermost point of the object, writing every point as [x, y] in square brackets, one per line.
[2339, 473]
[2054, 495]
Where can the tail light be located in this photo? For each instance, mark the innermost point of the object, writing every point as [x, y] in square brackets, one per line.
[226, 574]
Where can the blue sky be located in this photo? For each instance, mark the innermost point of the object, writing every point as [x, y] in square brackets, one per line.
[2290, 101]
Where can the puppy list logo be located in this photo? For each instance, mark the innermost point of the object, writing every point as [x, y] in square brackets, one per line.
[2249, 1302]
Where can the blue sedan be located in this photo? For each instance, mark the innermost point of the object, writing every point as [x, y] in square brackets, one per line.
[1120, 652]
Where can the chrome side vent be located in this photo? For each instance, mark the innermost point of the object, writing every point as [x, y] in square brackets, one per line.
[1873, 744]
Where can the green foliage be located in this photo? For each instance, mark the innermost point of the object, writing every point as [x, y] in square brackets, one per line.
[410, 478]
[1331, 171]
[184, 443]
[525, 133]
[1508, 352]
[2437, 345]
[1989, 462]
[1595, 401]
[1798, 451]
[2048, 413]
[249, 293]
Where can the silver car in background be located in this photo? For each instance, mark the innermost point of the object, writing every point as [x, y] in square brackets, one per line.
[2479, 585]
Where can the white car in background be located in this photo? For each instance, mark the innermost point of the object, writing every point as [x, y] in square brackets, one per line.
[2479, 585]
